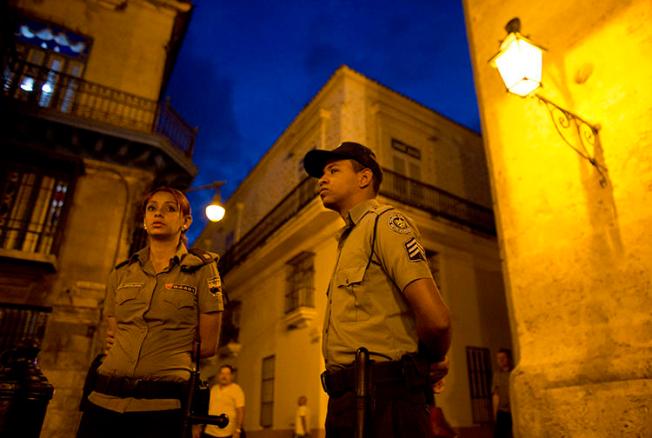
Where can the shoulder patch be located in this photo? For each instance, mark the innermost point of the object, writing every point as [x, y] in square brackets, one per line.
[399, 224]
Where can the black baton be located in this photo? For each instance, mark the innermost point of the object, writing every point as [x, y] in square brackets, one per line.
[361, 390]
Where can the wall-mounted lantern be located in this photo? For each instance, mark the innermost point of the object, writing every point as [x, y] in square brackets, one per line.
[520, 62]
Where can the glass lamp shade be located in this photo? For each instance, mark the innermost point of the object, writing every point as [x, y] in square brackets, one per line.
[519, 63]
[215, 212]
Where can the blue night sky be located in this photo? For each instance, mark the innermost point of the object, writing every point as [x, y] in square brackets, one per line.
[248, 67]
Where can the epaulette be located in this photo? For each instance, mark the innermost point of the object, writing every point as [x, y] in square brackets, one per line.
[383, 209]
[197, 258]
[122, 263]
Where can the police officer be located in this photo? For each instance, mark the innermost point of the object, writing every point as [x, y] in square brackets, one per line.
[156, 302]
[382, 297]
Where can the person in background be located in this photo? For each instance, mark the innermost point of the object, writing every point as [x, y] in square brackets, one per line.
[157, 302]
[226, 398]
[500, 394]
[302, 419]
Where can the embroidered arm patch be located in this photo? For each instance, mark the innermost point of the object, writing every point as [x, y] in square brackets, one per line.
[214, 285]
[399, 224]
[414, 250]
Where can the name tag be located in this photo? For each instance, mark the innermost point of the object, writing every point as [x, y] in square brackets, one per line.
[184, 287]
[126, 285]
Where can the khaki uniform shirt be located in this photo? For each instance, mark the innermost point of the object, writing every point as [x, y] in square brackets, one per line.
[501, 387]
[157, 322]
[366, 306]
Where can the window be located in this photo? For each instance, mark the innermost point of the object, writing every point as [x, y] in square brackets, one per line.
[32, 207]
[406, 160]
[230, 330]
[478, 365]
[51, 59]
[300, 282]
[267, 393]
[229, 239]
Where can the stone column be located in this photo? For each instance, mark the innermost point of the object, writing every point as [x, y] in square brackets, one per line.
[577, 256]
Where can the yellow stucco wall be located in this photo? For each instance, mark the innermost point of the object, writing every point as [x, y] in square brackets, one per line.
[577, 256]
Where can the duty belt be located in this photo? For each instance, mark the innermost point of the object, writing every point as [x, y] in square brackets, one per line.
[138, 387]
[409, 372]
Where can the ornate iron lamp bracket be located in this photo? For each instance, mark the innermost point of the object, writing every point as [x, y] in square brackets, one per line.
[580, 135]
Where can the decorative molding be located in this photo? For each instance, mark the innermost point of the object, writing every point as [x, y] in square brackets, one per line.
[299, 317]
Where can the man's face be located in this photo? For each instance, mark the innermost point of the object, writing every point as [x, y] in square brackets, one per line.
[338, 184]
[503, 361]
[225, 377]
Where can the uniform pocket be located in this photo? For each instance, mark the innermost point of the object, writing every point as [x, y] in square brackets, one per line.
[179, 298]
[125, 294]
[350, 276]
[126, 302]
[352, 299]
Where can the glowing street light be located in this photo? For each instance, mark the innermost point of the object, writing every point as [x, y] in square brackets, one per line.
[519, 61]
[215, 211]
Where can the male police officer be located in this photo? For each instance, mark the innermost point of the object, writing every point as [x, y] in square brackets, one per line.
[382, 297]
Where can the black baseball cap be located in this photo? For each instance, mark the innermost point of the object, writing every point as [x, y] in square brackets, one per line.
[316, 159]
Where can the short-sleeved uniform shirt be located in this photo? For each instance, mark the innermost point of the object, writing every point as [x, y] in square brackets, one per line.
[366, 306]
[225, 400]
[156, 316]
[501, 387]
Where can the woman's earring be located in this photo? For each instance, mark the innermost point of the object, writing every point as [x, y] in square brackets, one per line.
[145, 227]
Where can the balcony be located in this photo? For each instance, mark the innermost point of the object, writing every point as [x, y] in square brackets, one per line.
[52, 92]
[440, 203]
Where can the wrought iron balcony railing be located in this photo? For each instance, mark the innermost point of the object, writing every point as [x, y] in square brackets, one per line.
[438, 202]
[395, 186]
[52, 90]
[293, 202]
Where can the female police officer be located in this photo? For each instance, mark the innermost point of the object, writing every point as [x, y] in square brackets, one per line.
[152, 306]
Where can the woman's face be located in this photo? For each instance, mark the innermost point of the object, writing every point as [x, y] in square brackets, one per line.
[163, 218]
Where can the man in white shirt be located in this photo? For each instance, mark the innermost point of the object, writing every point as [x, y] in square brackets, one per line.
[226, 398]
[302, 420]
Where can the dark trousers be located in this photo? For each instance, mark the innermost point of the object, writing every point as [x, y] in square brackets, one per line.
[503, 425]
[394, 412]
[97, 422]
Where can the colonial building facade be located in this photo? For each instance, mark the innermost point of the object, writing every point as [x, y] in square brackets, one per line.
[279, 249]
[84, 135]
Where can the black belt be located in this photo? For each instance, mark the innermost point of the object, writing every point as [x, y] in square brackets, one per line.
[407, 372]
[139, 388]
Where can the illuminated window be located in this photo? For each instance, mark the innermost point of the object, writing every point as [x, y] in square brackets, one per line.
[300, 286]
[50, 61]
[267, 392]
[32, 207]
